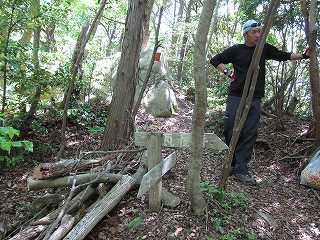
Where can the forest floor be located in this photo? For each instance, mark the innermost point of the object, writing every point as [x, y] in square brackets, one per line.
[277, 208]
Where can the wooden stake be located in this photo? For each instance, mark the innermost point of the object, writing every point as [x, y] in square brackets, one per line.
[154, 158]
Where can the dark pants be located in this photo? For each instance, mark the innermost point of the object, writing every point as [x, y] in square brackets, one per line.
[248, 134]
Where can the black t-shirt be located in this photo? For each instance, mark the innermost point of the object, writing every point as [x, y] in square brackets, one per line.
[240, 56]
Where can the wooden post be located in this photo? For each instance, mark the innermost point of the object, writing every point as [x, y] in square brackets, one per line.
[154, 157]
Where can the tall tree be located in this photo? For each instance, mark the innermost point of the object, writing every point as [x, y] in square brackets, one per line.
[200, 108]
[174, 38]
[9, 28]
[146, 33]
[120, 119]
[84, 37]
[311, 35]
[184, 41]
[314, 70]
[36, 64]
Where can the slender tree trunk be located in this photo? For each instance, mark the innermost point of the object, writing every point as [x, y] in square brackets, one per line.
[85, 35]
[311, 35]
[117, 130]
[213, 24]
[200, 108]
[184, 41]
[314, 70]
[6, 57]
[247, 95]
[146, 80]
[175, 33]
[146, 33]
[36, 64]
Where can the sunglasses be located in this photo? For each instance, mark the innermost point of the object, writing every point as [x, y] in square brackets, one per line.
[253, 25]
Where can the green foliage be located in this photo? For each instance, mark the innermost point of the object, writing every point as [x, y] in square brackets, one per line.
[227, 200]
[86, 116]
[96, 130]
[135, 222]
[7, 143]
[239, 233]
[236, 234]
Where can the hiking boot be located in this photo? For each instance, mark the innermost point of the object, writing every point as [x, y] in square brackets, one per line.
[245, 178]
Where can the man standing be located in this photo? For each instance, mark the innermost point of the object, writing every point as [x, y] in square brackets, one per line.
[240, 56]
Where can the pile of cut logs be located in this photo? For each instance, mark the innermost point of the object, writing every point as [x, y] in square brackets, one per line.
[95, 186]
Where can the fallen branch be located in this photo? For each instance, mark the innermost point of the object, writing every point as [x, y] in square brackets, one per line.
[64, 167]
[29, 233]
[34, 184]
[112, 152]
[66, 225]
[104, 206]
[75, 204]
[62, 212]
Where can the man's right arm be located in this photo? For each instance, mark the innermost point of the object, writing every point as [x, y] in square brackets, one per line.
[221, 67]
[225, 57]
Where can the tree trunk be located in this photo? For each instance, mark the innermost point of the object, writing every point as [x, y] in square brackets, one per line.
[311, 35]
[118, 130]
[175, 33]
[6, 57]
[146, 33]
[184, 41]
[26, 124]
[76, 63]
[314, 70]
[146, 80]
[247, 95]
[198, 118]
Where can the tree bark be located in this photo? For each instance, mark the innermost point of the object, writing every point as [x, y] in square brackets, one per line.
[184, 41]
[198, 118]
[175, 32]
[29, 233]
[146, 33]
[6, 57]
[64, 167]
[34, 184]
[118, 130]
[145, 83]
[314, 70]
[311, 36]
[247, 95]
[65, 226]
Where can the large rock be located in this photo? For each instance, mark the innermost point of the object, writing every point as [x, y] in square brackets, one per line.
[160, 100]
[310, 176]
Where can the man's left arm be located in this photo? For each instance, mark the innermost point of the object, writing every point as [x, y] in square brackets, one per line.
[275, 54]
[299, 56]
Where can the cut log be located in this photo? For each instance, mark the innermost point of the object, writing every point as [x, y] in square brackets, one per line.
[101, 208]
[34, 184]
[46, 200]
[29, 233]
[183, 140]
[64, 167]
[65, 226]
[155, 174]
[75, 204]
